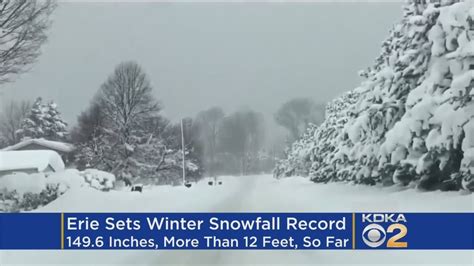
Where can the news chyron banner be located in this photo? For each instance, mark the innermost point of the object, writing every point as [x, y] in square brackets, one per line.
[158, 231]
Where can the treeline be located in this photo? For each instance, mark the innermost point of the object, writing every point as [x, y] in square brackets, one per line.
[122, 131]
[233, 143]
[237, 143]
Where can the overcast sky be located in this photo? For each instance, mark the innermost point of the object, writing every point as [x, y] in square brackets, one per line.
[208, 54]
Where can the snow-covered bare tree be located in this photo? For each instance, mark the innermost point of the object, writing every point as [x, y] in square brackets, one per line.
[3, 142]
[126, 100]
[295, 115]
[124, 133]
[23, 26]
[89, 124]
[208, 124]
[241, 138]
[11, 118]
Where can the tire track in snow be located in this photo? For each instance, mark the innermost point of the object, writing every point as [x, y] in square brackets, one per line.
[235, 202]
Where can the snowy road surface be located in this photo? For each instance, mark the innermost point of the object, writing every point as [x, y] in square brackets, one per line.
[253, 194]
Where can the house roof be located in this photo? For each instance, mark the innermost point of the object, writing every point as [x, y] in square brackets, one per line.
[34, 159]
[48, 144]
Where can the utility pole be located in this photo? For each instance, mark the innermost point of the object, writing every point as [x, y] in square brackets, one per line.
[182, 148]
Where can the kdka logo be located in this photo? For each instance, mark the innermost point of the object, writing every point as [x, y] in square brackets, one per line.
[384, 230]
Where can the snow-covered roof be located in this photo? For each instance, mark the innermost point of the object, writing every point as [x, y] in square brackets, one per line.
[34, 159]
[49, 144]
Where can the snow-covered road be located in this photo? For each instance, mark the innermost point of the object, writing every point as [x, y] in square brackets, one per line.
[253, 194]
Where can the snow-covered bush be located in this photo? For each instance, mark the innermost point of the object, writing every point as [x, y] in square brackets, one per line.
[65, 180]
[98, 179]
[21, 191]
[31, 201]
[413, 120]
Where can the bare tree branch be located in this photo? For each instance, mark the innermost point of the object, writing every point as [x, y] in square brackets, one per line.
[23, 26]
[126, 99]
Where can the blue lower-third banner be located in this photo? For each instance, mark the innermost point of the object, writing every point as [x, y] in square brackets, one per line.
[155, 231]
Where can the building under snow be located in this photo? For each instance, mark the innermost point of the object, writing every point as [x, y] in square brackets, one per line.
[33, 161]
[63, 149]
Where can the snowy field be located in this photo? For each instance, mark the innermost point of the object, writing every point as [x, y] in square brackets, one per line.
[253, 194]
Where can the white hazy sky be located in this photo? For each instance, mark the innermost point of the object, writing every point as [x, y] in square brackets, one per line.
[199, 55]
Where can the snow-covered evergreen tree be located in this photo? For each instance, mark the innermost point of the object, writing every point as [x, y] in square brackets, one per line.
[413, 121]
[298, 160]
[314, 153]
[397, 71]
[44, 121]
[57, 126]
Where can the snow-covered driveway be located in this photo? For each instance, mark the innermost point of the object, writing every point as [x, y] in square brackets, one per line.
[253, 194]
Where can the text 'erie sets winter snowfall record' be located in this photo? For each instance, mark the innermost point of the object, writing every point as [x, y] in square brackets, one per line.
[209, 232]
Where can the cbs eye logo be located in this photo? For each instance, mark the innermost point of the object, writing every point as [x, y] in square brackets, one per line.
[374, 235]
